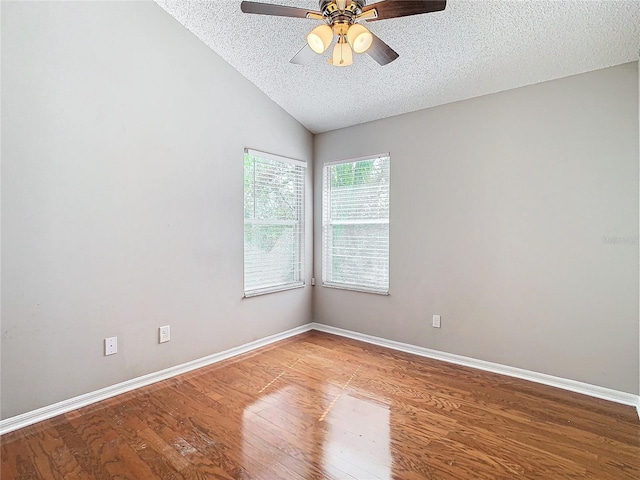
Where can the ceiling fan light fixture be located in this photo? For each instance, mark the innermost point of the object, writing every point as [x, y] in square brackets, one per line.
[342, 54]
[320, 38]
[359, 38]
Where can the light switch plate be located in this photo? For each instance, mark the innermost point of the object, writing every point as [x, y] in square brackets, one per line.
[436, 321]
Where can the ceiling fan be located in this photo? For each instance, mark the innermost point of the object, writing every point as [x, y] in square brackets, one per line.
[341, 19]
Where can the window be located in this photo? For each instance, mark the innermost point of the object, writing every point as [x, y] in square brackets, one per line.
[355, 224]
[273, 223]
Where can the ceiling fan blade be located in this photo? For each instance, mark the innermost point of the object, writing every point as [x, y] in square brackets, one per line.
[304, 56]
[279, 10]
[401, 8]
[381, 52]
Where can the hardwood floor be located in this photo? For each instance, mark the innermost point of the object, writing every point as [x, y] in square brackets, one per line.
[321, 406]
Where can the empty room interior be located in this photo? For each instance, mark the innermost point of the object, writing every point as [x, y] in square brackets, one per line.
[291, 239]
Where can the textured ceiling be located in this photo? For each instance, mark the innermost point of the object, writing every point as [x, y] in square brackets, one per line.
[471, 48]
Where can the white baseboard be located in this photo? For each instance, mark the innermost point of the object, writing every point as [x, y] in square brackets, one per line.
[571, 385]
[44, 413]
[29, 418]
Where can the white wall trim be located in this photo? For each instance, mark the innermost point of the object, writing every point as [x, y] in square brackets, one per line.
[29, 418]
[44, 413]
[558, 382]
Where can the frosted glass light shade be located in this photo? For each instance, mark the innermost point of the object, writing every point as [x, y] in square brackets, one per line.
[359, 38]
[342, 54]
[320, 38]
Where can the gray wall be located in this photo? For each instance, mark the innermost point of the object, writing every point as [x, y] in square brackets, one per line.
[513, 216]
[122, 144]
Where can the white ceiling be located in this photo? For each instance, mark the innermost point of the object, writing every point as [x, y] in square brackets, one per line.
[471, 48]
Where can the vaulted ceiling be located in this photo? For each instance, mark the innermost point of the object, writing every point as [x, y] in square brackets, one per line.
[471, 48]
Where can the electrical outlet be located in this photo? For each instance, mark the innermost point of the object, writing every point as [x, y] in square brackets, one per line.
[164, 334]
[436, 321]
[110, 345]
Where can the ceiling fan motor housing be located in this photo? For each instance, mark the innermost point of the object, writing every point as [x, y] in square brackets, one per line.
[334, 15]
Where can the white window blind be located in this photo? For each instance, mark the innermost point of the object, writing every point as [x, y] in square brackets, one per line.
[356, 224]
[273, 223]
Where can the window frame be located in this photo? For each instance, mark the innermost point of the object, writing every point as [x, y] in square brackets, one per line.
[300, 223]
[326, 204]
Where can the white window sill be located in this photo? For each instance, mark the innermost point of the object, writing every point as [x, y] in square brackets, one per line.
[355, 288]
[265, 291]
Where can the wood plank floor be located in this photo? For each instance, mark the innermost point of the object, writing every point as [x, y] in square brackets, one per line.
[321, 406]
